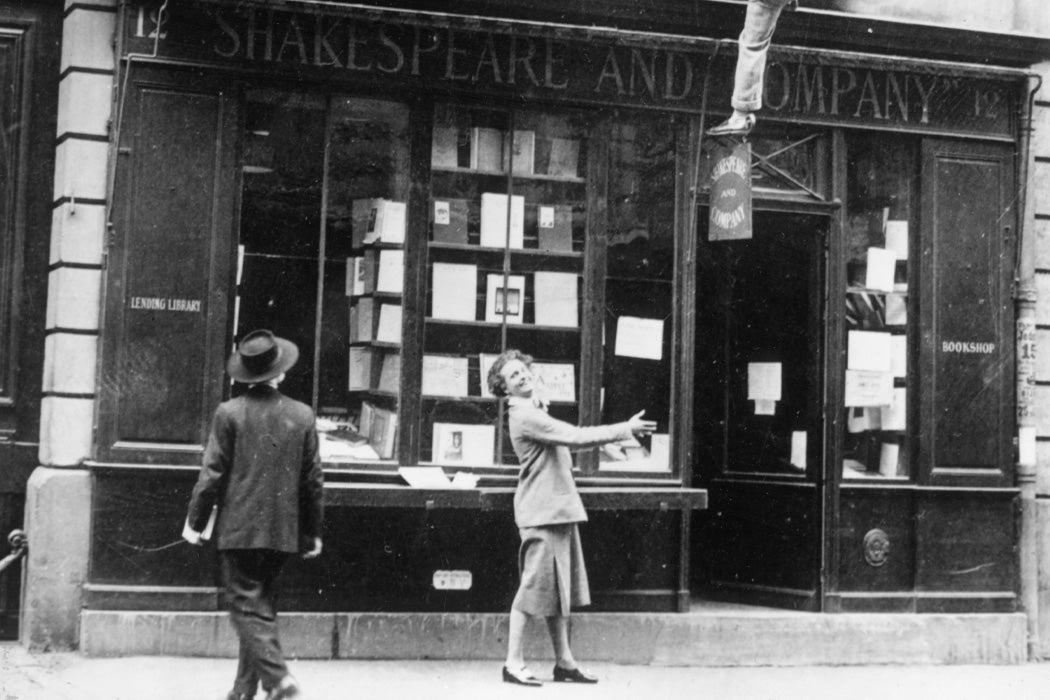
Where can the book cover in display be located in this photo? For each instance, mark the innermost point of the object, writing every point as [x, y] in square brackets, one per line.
[463, 443]
[444, 375]
[389, 324]
[505, 299]
[522, 154]
[554, 223]
[361, 321]
[565, 158]
[390, 276]
[390, 373]
[486, 149]
[382, 434]
[555, 381]
[450, 221]
[556, 299]
[360, 368]
[454, 292]
[494, 221]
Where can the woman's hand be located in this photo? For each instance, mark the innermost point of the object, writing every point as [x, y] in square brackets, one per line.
[639, 426]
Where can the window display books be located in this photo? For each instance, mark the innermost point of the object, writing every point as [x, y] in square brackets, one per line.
[505, 299]
[556, 299]
[390, 275]
[382, 434]
[447, 149]
[463, 443]
[378, 220]
[450, 221]
[555, 381]
[454, 292]
[554, 223]
[358, 279]
[389, 324]
[360, 368]
[494, 221]
[361, 329]
[444, 375]
[522, 154]
[486, 149]
[390, 374]
[565, 157]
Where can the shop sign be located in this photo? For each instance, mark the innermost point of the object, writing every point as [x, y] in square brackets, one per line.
[164, 304]
[730, 197]
[384, 49]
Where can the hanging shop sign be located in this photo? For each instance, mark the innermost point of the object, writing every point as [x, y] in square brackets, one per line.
[525, 61]
[730, 210]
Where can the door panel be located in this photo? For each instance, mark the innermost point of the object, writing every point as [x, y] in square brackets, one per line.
[165, 323]
[759, 412]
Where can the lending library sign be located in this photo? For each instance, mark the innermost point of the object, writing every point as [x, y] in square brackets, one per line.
[381, 48]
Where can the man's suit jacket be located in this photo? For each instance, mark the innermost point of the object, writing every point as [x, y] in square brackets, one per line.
[262, 467]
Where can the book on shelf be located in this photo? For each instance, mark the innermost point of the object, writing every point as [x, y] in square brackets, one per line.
[390, 373]
[444, 376]
[361, 313]
[554, 224]
[360, 368]
[364, 422]
[555, 381]
[454, 292]
[565, 158]
[450, 221]
[377, 219]
[360, 275]
[382, 434]
[389, 330]
[486, 149]
[390, 273]
[485, 362]
[521, 153]
[463, 443]
[494, 220]
[555, 298]
[449, 148]
[505, 299]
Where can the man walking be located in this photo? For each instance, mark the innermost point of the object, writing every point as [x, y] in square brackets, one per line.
[262, 470]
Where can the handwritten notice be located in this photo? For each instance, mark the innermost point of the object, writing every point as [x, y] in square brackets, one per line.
[867, 388]
[764, 381]
[640, 337]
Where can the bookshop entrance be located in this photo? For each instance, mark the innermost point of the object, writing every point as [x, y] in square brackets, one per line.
[759, 431]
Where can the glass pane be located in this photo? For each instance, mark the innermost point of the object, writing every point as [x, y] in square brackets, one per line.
[784, 161]
[882, 209]
[280, 224]
[639, 291]
[759, 336]
[365, 226]
[505, 259]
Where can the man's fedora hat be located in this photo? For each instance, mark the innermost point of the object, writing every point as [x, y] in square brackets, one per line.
[260, 356]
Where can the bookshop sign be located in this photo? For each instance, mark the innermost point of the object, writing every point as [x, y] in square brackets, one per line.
[382, 49]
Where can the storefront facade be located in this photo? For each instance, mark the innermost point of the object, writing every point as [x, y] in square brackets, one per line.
[407, 193]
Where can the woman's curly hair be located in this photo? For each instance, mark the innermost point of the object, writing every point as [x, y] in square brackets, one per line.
[495, 379]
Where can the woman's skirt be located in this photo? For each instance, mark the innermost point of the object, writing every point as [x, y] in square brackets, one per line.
[553, 574]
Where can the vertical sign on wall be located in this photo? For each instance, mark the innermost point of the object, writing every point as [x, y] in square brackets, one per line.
[731, 193]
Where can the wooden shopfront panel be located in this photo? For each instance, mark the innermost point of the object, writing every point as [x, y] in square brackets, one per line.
[166, 302]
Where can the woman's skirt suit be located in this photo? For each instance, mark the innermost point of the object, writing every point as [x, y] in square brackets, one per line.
[547, 507]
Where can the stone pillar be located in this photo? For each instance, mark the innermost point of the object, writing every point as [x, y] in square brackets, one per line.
[58, 494]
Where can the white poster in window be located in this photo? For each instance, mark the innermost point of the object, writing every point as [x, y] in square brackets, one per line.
[897, 238]
[867, 388]
[882, 264]
[765, 407]
[764, 380]
[798, 448]
[888, 459]
[895, 415]
[899, 355]
[869, 350]
[391, 275]
[640, 337]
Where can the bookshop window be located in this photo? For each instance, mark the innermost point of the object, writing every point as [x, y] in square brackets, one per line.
[505, 265]
[325, 186]
[878, 384]
[12, 67]
[639, 291]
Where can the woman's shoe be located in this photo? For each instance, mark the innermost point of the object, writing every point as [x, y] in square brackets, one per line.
[522, 677]
[572, 675]
[736, 125]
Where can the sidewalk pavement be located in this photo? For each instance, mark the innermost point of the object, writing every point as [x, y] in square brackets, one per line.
[65, 676]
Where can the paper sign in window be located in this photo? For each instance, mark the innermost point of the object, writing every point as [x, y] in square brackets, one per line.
[896, 310]
[763, 381]
[640, 337]
[765, 407]
[882, 265]
[888, 459]
[899, 355]
[895, 415]
[867, 388]
[897, 238]
[869, 351]
[798, 448]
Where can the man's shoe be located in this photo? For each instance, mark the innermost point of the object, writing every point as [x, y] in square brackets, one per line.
[522, 677]
[572, 675]
[736, 125]
[287, 688]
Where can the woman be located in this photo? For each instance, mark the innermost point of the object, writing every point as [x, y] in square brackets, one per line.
[547, 508]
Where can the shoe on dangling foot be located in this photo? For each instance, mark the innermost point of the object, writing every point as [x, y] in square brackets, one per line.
[739, 124]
